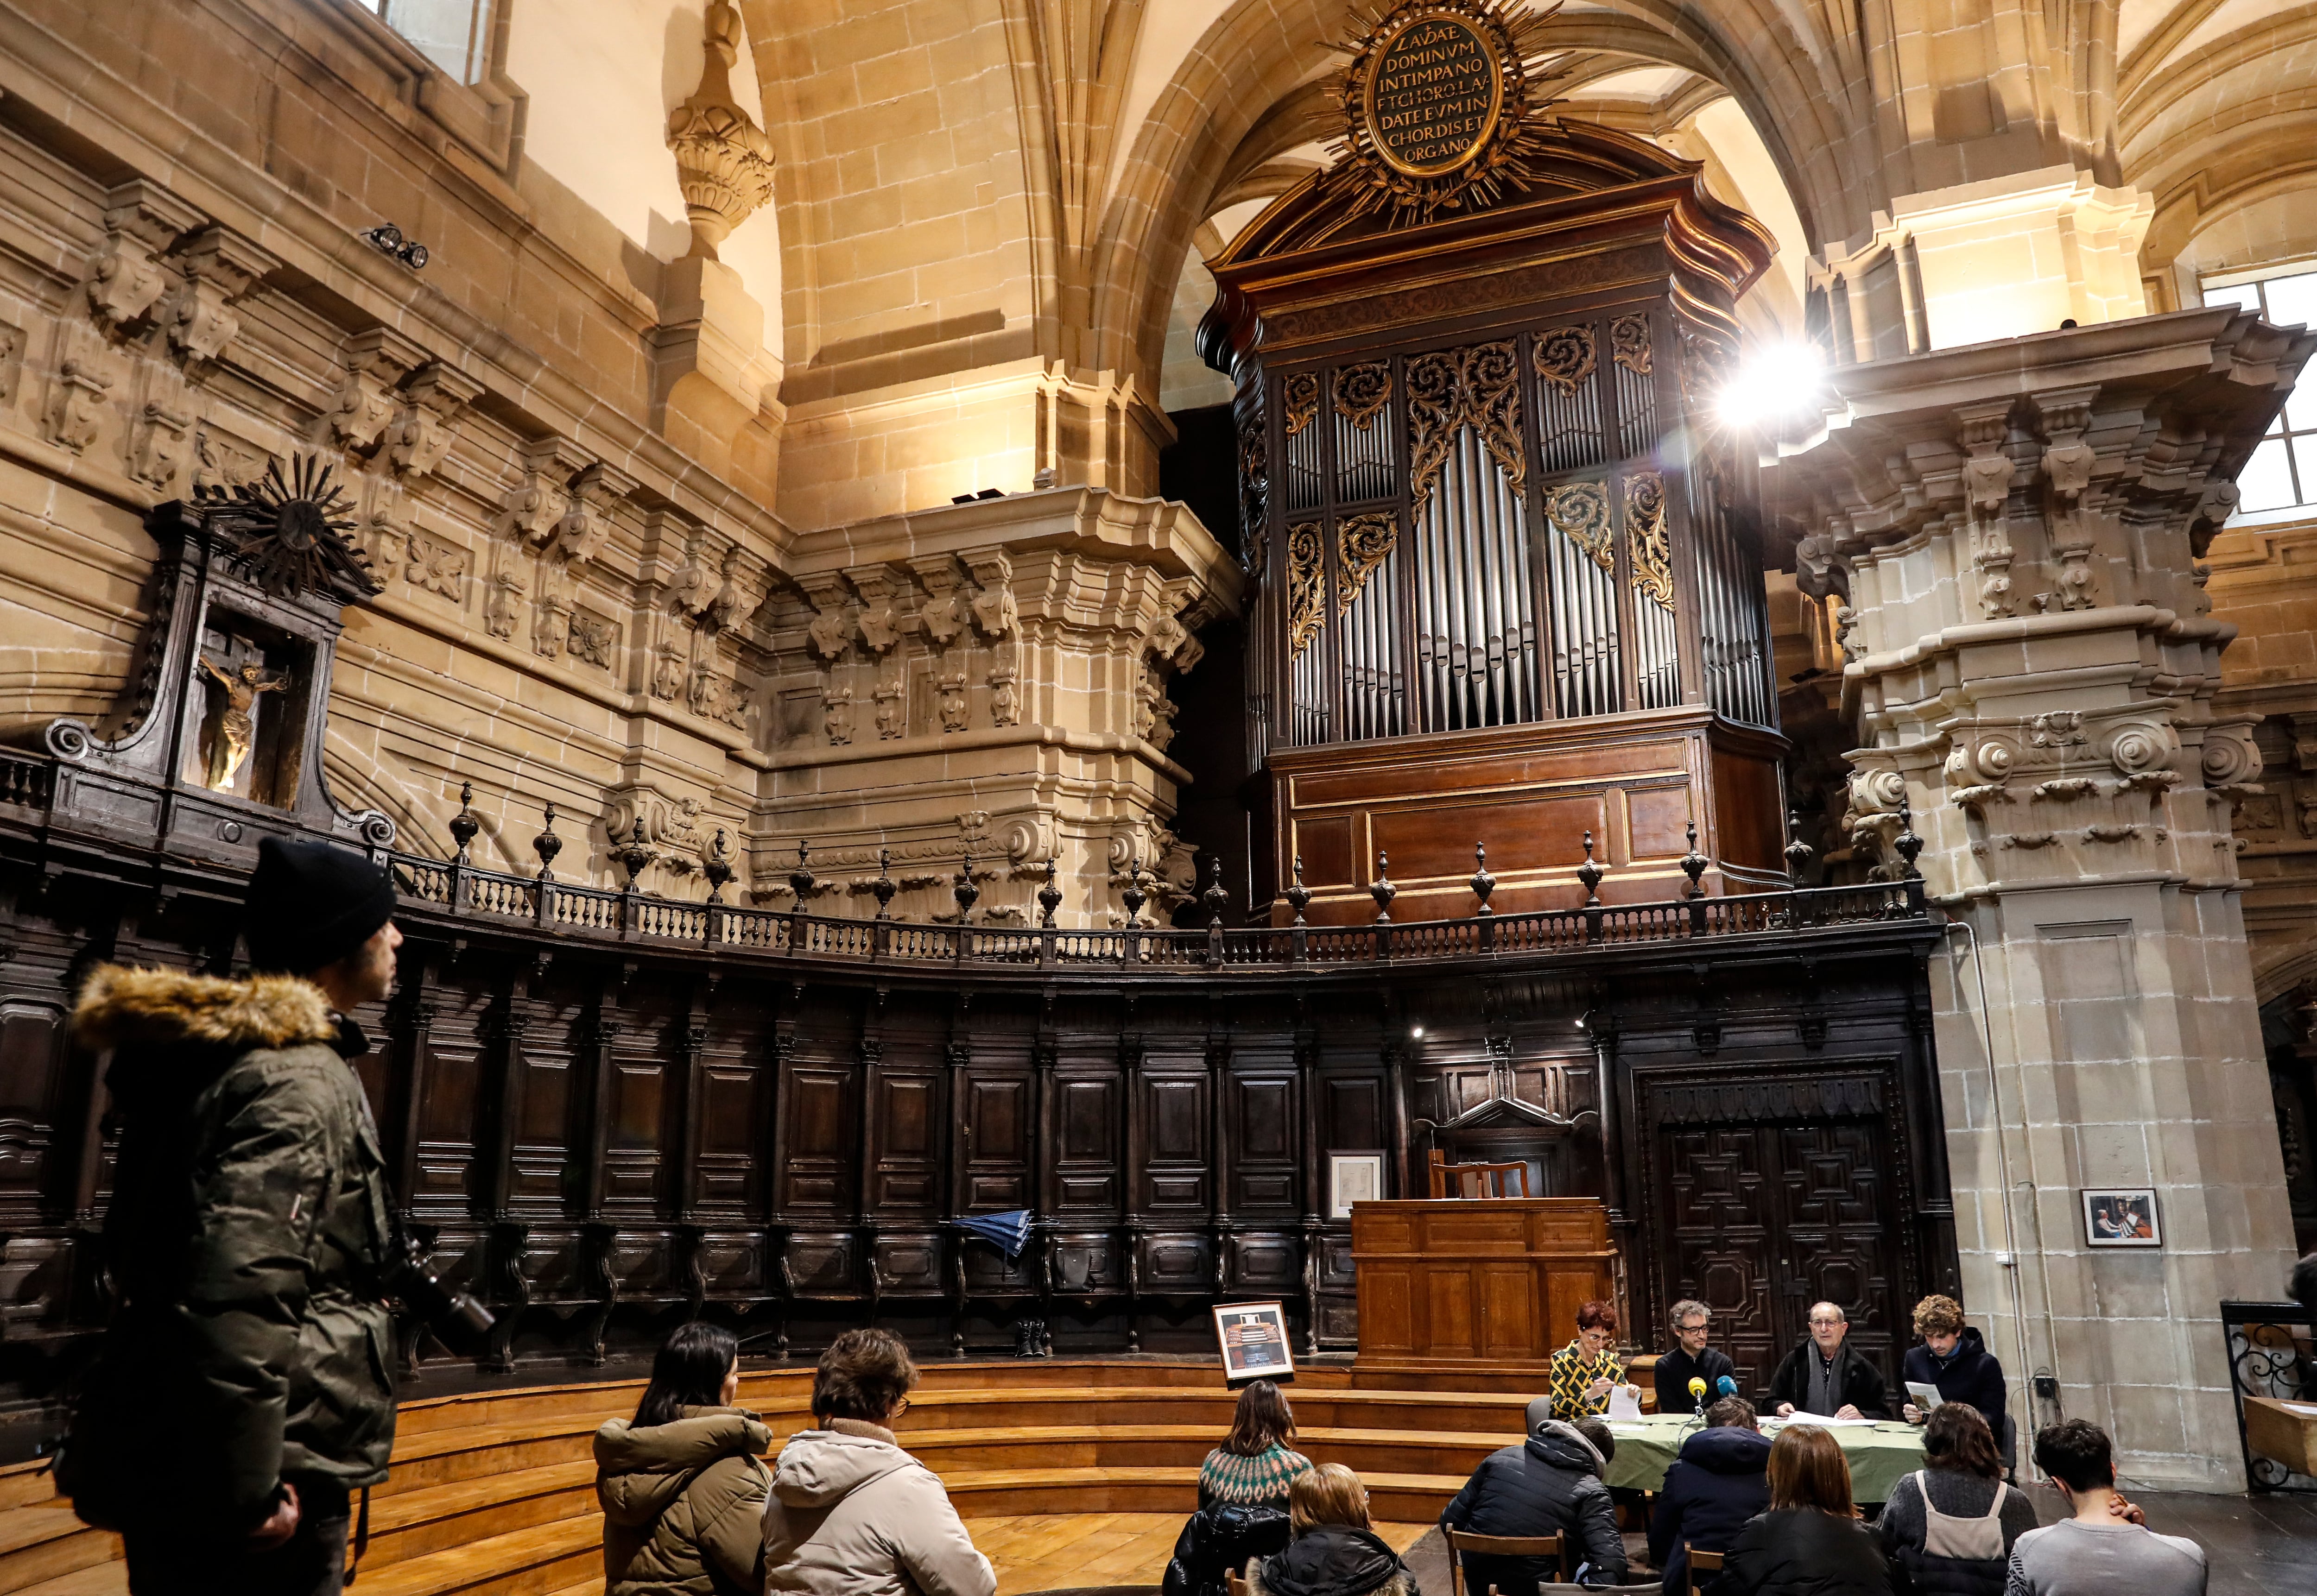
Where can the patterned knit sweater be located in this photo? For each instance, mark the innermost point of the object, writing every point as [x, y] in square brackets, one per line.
[1261, 1479]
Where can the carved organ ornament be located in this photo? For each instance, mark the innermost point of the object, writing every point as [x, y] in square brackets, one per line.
[1474, 502]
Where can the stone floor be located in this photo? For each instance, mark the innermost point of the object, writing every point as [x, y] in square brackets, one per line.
[2262, 1545]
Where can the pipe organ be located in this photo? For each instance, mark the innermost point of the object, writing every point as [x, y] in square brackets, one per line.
[1509, 586]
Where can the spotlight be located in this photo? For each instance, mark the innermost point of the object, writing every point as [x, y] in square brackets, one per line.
[1580, 1023]
[1774, 383]
[1417, 1032]
[388, 240]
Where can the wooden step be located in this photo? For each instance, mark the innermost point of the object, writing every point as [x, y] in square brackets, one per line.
[99, 1579]
[529, 1562]
[414, 1523]
[999, 1492]
[46, 1542]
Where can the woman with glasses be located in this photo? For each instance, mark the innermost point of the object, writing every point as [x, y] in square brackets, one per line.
[1585, 1374]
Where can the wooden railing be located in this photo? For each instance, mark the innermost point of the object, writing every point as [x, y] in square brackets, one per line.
[596, 914]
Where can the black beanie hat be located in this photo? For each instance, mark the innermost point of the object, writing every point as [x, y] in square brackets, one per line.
[310, 905]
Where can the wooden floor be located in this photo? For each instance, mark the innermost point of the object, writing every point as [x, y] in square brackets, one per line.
[1068, 1472]
[1059, 1551]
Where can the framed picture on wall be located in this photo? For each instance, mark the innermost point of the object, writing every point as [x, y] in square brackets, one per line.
[1253, 1336]
[2121, 1217]
[1353, 1177]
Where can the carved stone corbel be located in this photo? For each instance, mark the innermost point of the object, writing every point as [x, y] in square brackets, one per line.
[159, 437]
[2067, 463]
[375, 362]
[830, 630]
[837, 712]
[952, 701]
[993, 609]
[218, 266]
[945, 611]
[127, 279]
[880, 622]
[743, 582]
[890, 691]
[78, 395]
[1004, 690]
[425, 424]
[536, 507]
[1987, 473]
[586, 521]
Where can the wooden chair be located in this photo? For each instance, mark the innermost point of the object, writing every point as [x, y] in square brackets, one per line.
[1493, 1545]
[1476, 1180]
[1707, 1563]
[1233, 1584]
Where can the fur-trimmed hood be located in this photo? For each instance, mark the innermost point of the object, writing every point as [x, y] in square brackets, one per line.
[121, 1007]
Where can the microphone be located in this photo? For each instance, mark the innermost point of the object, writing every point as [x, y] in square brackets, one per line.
[1697, 1392]
[1725, 1386]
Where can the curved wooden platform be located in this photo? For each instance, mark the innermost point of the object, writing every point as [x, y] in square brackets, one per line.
[494, 1493]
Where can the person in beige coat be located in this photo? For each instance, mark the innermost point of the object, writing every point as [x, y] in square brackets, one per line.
[851, 1513]
[682, 1485]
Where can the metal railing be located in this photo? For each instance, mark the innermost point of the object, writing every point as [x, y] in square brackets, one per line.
[2270, 1354]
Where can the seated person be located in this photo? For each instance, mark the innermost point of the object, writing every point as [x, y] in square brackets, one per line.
[1691, 1358]
[1826, 1376]
[1554, 1483]
[1711, 1490]
[1242, 1496]
[1955, 1360]
[1254, 1464]
[1585, 1372]
[1952, 1524]
[1809, 1543]
[2105, 1548]
[1334, 1553]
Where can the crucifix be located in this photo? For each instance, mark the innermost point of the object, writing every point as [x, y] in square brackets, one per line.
[234, 731]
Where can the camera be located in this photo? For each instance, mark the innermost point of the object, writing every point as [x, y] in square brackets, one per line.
[455, 1318]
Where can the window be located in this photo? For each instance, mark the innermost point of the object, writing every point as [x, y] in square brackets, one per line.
[453, 34]
[2282, 474]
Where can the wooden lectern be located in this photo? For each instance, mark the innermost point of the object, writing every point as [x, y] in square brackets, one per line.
[1458, 1283]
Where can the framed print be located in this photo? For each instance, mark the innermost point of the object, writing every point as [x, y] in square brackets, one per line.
[1253, 1336]
[2121, 1217]
[1353, 1177]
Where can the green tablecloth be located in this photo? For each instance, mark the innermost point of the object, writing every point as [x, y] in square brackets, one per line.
[1879, 1458]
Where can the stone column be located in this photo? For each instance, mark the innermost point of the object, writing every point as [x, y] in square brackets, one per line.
[2012, 528]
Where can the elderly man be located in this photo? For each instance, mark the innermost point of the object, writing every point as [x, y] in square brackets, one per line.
[1691, 1358]
[1826, 1376]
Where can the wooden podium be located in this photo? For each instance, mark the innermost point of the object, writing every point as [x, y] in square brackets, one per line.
[1460, 1282]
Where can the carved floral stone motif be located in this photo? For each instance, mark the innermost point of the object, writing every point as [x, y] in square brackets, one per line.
[594, 638]
[723, 160]
[436, 567]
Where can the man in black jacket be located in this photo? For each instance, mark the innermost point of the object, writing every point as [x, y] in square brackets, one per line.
[241, 1393]
[1691, 1358]
[1555, 1483]
[1719, 1482]
[1954, 1359]
[1826, 1376]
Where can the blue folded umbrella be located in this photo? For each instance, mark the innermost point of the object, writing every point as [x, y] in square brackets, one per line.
[1010, 1231]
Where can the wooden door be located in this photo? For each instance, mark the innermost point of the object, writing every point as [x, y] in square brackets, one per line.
[1758, 1222]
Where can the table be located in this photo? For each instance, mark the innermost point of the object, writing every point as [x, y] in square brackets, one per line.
[1879, 1458]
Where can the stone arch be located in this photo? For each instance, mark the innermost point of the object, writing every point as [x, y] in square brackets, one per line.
[1260, 53]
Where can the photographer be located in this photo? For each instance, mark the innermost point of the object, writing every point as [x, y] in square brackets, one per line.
[241, 1394]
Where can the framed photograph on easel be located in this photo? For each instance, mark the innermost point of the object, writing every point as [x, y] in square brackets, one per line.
[1253, 1336]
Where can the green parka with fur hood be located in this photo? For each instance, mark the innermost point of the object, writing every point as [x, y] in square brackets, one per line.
[682, 1505]
[246, 1232]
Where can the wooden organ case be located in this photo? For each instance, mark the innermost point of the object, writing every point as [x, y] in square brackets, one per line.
[1510, 579]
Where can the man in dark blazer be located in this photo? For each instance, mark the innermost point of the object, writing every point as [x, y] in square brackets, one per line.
[1826, 1376]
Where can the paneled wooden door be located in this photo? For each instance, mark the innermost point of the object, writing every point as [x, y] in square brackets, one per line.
[1761, 1221]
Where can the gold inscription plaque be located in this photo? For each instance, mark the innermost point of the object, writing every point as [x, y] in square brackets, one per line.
[1434, 90]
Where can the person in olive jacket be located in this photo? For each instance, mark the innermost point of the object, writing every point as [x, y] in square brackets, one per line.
[682, 1485]
[241, 1394]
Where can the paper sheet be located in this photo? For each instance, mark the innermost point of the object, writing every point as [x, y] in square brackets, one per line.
[1926, 1398]
[1802, 1418]
[1625, 1403]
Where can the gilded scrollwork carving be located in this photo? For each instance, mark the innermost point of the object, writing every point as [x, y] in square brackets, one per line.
[1362, 543]
[1479, 386]
[1565, 357]
[1580, 512]
[1299, 403]
[1363, 391]
[1628, 342]
[1307, 561]
[1646, 539]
